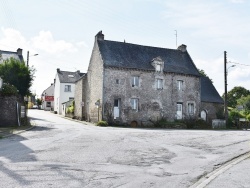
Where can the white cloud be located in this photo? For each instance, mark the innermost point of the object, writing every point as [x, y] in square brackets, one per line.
[52, 54]
[45, 41]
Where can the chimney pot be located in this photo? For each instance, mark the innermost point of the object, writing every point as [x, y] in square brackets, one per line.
[182, 48]
[58, 70]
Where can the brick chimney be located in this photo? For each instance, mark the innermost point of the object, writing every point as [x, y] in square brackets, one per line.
[99, 36]
[19, 51]
[182, 48]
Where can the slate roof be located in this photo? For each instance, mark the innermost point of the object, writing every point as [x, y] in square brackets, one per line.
[69, 77]
[208, 91]
[127, 55]
[7, 54]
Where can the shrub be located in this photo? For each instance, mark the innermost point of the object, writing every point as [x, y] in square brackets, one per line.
[102, 123]
[71, 108]
[8, 90]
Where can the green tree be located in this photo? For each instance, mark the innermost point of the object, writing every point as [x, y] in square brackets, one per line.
[38, 101]
[235, 94]
[245, 101]
[202, 72]
[14, 72]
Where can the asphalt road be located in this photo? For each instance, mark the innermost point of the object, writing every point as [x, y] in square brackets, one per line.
[63, 153]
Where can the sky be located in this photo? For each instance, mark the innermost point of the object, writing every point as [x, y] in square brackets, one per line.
[62, 33]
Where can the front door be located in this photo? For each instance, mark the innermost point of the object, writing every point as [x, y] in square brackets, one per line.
[179, 111]
[116, 108]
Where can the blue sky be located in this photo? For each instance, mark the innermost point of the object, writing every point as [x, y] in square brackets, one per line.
[62, 32]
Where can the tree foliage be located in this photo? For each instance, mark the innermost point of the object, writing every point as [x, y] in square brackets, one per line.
[235, 94]
[202, 72]
[14, 72]
[245, 101]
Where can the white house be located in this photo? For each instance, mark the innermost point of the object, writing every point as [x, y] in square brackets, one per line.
[64, 87]
[48, 98]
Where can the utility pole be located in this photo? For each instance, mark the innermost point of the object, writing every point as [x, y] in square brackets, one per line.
[28, 54]
[225, 98]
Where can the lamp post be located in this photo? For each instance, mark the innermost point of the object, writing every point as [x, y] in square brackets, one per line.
[225, 75]
[28, 56]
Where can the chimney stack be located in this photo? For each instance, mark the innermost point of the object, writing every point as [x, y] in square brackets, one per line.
[99, 36]
[58, 70]
[19, 51]
[182, 48]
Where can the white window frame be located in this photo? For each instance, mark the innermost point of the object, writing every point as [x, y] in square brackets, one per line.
[67, 88]
[135, 81]
[134, 102]
[159, 83]
[191, 108]
[179, 84]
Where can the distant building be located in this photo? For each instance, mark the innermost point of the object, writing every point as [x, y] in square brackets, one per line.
[64, 87]
[48, 98]
[8, 54]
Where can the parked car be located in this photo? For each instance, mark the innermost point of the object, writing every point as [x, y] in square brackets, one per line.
[35, 107]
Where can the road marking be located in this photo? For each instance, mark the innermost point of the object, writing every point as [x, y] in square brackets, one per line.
[204, 181]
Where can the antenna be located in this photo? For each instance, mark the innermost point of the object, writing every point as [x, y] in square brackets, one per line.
[176, 37]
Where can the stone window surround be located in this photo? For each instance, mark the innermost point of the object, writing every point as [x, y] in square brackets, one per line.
[134, 103]
[135, 81]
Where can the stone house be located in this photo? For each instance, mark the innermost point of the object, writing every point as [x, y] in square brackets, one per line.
[9, 54]
[48, 98]
[64, 87]
[137, 84]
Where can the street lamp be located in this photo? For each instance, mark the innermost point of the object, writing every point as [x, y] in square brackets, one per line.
[225, 75]
[28, 55]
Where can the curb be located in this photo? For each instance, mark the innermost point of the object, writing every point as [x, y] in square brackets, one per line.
[19, 132]
[205, 180]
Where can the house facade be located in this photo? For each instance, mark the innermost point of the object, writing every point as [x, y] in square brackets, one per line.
[136, 84]
[9, 54]
[48, 98]
[64, 88]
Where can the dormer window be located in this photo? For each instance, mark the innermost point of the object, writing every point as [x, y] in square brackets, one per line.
[158, 64]
[158, 68]
[71, 76]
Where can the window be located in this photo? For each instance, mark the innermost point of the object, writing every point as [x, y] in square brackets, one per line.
[135, 81]
[134, 104]
[190, 108]
[158, 68]
[48, 104]
[117, 81]
[71, 98]
[179, 84]
[159, 83]
[67, 88]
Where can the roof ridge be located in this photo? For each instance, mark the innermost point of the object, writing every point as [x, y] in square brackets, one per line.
[140, 45]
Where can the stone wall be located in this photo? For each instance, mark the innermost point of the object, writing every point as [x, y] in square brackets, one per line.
[94, 85]
[213, 110]
[80, 99]
[154, 103]
[8, 110]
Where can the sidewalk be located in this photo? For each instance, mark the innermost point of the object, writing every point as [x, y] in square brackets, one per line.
[9, 131]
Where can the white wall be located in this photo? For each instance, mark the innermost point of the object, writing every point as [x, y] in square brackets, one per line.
[57, 94]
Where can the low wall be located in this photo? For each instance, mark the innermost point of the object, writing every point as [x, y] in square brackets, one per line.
[218, 123]
[8, 110]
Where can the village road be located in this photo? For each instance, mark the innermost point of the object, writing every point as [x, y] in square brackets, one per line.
[63, 153]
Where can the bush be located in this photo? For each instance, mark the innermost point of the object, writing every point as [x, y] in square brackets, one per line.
[8, 90]
[102, 123]
[71, 108]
